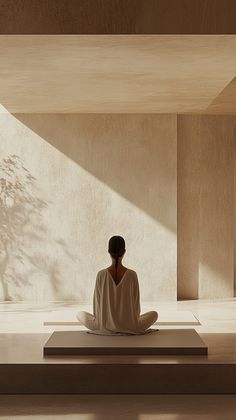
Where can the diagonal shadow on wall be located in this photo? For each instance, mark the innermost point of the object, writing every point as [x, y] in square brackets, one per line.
[134, 154]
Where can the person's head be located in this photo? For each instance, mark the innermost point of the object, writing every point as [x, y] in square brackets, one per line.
[116, 248]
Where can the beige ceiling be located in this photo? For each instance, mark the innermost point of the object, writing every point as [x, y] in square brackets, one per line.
[74, 73]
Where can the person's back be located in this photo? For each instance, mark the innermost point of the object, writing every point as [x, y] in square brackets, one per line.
[116, 300]
[116, 305]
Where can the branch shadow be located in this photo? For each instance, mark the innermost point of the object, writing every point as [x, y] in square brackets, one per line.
[24, 237]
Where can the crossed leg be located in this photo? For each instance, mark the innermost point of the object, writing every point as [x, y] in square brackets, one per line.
[147, 319]
[88, 320]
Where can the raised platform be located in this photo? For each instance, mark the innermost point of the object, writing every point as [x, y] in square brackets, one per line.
[24, 370]
[162, 342]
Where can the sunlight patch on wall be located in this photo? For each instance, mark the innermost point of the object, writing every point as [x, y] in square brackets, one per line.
[58, 241]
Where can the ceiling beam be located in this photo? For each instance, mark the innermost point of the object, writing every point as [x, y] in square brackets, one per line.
[117, 17]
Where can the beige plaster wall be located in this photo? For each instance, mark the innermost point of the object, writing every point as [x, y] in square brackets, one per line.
[95, 176]
[205, 206]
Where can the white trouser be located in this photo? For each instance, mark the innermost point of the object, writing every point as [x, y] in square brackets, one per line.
[145, 320]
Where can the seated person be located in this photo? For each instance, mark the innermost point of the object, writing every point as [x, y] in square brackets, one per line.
[116, 304]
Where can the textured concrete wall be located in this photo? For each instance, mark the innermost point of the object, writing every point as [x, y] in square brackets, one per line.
[94, 176]
[205, 206]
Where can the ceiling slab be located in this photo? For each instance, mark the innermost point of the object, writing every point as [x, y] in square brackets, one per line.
[114, 74]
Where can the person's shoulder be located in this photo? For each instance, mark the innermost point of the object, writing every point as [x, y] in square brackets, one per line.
[132, 273]
[99, 277]
[101, 272]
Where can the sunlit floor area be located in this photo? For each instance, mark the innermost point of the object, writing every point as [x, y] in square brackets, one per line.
[28, 317]
[206, 316]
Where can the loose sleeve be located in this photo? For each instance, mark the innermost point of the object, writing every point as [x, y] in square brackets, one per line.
[96, 298]
[136, 296]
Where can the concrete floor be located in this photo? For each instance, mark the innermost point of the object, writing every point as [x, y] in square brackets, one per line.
[118, 407]
[216, 317]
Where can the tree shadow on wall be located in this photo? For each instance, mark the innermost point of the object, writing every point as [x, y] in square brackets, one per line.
[25, 263]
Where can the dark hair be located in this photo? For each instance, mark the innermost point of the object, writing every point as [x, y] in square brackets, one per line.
[116, 248]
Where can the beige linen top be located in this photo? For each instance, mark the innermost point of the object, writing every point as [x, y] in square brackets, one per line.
[117, 307]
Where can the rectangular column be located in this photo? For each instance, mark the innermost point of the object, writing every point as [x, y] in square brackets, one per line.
[205, 206]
